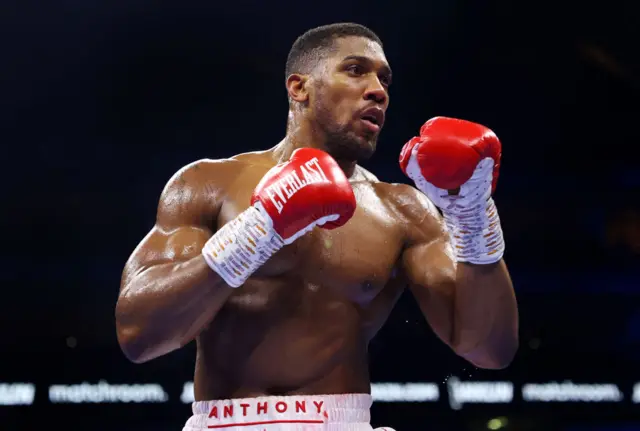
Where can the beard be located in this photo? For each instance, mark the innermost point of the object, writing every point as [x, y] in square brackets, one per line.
[343, 143]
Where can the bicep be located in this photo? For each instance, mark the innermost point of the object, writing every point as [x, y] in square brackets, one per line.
[430, 267]
[187, 213]
[428, 258]
[431, 273]
[160, 247]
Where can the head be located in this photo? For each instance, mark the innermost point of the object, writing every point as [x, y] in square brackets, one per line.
[337, 77]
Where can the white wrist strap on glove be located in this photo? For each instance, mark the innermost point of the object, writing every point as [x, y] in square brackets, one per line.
[476, 234]
[241, 246]
[471, 215]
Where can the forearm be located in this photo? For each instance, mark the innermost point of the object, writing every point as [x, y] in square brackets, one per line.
[166, 306]
[485, 315]
[465, 290]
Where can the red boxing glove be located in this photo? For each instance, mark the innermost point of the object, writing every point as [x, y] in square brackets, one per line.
[307, 191]
[291, 199]
[449, 151]
[456, 163]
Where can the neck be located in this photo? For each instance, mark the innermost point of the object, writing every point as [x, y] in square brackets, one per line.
[302, 133]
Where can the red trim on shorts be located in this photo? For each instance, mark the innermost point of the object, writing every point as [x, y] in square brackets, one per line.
[246, 424]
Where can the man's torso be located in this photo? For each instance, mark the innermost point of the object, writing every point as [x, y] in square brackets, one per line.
[302, 322]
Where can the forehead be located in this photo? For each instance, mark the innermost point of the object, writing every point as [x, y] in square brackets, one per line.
[358, 46]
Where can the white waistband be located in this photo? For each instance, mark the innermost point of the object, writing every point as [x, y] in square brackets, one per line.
[234, 414]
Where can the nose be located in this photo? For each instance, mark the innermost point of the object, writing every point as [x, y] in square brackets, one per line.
[376, 92]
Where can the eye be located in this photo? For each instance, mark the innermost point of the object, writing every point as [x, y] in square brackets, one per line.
[385, 80]
[356, 69]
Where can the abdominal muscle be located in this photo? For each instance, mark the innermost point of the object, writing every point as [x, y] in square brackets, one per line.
[305, 343]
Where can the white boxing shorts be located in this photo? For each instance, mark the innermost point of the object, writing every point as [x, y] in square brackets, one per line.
[297, 413]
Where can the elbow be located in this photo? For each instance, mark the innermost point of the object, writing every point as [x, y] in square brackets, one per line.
[141, 339]
[140, 343]
[130, 343]
[130, 337]
[127, 334]
[498, 361]
[493, 357]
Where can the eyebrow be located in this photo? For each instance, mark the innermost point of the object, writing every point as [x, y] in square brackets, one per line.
[364, 59]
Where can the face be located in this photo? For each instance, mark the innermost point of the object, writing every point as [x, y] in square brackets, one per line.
[349, 97]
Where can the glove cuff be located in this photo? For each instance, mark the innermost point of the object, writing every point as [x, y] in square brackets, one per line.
[476, 234]
[242, 246]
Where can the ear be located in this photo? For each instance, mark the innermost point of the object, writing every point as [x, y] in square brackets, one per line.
[297, 87]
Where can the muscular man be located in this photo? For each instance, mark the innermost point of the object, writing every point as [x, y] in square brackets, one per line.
[283, 264]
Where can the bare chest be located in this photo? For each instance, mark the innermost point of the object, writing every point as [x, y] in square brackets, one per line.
[353, 262]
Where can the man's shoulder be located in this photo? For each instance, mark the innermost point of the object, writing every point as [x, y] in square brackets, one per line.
[252, 158]
[407, 201]
[197, 189]
[215, 174]
[397, 191]
[209, 166]
[212, 174]
[419, 217]
[206, 171]
[365, 175]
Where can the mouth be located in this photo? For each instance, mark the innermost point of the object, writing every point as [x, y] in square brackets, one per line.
[370, 125]
[373, 119]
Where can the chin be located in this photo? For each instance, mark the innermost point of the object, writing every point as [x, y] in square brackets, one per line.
[351, 145]
[358, 149]
[366, 147]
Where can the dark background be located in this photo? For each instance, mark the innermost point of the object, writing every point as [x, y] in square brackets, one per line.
[103, 101]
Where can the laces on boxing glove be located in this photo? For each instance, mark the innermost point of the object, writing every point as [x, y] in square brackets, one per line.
[242, 245]
[475, 233]
[470, 216]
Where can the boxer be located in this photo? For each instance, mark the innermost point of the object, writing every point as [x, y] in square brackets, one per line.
[283, 264]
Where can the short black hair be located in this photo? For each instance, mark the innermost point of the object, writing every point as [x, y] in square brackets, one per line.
[309, 48]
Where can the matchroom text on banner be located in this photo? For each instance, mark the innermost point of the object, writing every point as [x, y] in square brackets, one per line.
[455, 392]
